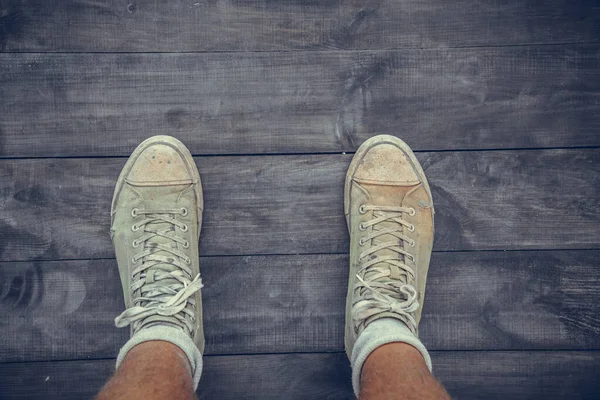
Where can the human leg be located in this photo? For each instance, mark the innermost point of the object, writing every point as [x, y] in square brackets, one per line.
[398, 371]
[151, 370]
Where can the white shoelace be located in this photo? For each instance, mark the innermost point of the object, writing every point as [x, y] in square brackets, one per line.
[385, 283]
[164, 279]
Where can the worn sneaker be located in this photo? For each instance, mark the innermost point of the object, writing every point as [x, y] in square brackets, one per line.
[155, 226]
[389, 212]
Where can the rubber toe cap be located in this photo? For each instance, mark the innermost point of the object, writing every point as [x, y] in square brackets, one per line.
[160, 163]
[386, 164]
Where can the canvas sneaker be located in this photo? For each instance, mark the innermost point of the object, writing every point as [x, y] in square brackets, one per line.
[156, 216]
[389, 212]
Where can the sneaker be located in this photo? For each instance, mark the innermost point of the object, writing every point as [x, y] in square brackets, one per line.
[156, 216]
[389, 212]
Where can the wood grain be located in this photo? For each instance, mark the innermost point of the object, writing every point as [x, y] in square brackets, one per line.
[82, 79]
[300, 102]
[57, 209]
[475, 301]
[152, 26]
[527, 375]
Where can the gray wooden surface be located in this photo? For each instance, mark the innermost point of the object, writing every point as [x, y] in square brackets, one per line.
[260, 25]
[300, 102]
[500, 99]
[290, 304]
[504, 200]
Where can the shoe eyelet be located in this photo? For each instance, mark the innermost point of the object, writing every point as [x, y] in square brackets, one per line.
[184, 211]
[411, 228]
[412, 212]
[135, 243]
[412, 243]
[134, 212]
[133, 260]
[362, 209]
[186, 244]
[184, 228]
[189, 261]
[361, 242]
[362, 227]
[135, 228]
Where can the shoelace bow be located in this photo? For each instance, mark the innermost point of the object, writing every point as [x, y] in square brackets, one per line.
[164, 281]
[384, 281]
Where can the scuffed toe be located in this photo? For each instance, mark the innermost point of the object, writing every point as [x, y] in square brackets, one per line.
[386, 164]
[160, 162]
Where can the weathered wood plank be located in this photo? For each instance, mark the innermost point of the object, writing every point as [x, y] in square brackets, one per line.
[59, 208]
[309, 102]
[475, 301]
[527, 375]
[144, 25]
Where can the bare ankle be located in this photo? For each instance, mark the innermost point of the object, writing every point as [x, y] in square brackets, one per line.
[398, 371]
[396, 351]
[158, 348]
[154, 369]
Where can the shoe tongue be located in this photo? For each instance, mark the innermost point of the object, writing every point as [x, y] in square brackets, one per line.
[156, 240]
[387, 196]
[162, 198]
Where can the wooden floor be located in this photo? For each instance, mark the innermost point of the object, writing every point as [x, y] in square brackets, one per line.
[500, 99]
